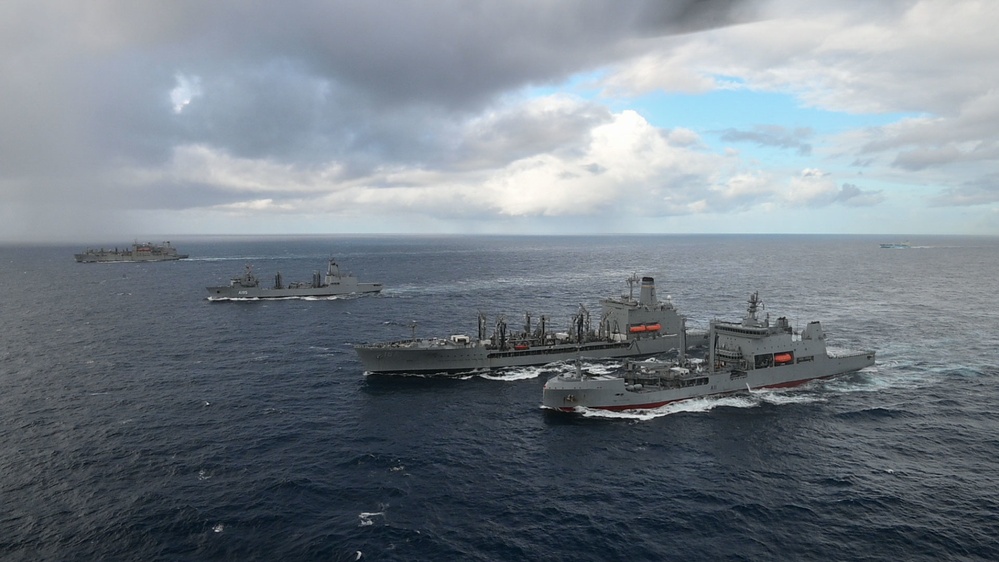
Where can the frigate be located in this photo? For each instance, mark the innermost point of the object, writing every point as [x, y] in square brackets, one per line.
[627, 327]
[334, 283]
[747, 355]
[137, 252]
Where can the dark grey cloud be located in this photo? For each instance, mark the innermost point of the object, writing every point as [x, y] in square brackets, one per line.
[87, 85]
[192, 195]
[460, 54]
[772, 135]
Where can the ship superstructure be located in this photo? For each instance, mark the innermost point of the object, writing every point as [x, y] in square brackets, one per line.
[626, 327]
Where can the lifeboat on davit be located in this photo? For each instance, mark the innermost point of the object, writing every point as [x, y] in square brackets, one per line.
[783, 358]
[637, 329]
[653, 327]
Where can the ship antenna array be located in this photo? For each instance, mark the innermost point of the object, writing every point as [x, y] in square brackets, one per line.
[632, 281]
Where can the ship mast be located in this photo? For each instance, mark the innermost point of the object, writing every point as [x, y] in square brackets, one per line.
[754, 305]
[632, 281]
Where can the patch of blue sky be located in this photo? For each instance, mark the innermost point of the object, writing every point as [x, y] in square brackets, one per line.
[584, 85]
[734, 108]
[744, 109]
[714, 115]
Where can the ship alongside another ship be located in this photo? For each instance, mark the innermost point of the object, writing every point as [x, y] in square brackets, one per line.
[627, 327]
[745, 355]
[136, 253]
[333, 284]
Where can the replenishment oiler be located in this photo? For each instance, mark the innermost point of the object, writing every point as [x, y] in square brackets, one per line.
[333, 284]
[747, 355]
[137, 253]
[626, 328]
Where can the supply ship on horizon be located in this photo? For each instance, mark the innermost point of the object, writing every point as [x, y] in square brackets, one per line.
[136, 253]
[334, 283]
[746, 355]
[626, 328]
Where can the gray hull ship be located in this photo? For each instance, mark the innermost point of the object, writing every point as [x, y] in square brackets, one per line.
[332, 284]
[627, 328]
[741, 356]
[138, 252]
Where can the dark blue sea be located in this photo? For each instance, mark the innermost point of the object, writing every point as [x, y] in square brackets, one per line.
[139, 421]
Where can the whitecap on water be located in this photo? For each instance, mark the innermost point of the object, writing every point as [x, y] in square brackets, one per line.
[514, 374]
[781, 397]
[861, 381]
[891, 374]
[604, 367]
[601, 368]
[751, 399]
[691, 405]
[365, 517]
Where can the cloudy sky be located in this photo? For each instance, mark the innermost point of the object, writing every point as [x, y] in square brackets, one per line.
[125, 118]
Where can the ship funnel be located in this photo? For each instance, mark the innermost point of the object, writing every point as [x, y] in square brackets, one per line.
[648, 295]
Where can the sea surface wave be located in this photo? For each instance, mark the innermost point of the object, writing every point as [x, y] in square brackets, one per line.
[142, 421]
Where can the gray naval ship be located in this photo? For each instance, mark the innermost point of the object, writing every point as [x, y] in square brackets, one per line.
[627, 328]
[742, 355]
[137, 252]
[332, 284]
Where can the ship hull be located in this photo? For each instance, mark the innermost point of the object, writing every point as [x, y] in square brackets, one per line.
[115, 258]
[442, 357]
[226, 292]
[612, 393]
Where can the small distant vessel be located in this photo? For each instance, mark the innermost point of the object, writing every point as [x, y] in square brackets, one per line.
[628, 327]
[896, 245]
[742, 355]
[334, 283]
[137, 252]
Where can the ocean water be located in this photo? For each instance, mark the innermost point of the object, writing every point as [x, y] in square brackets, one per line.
[139, 421]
